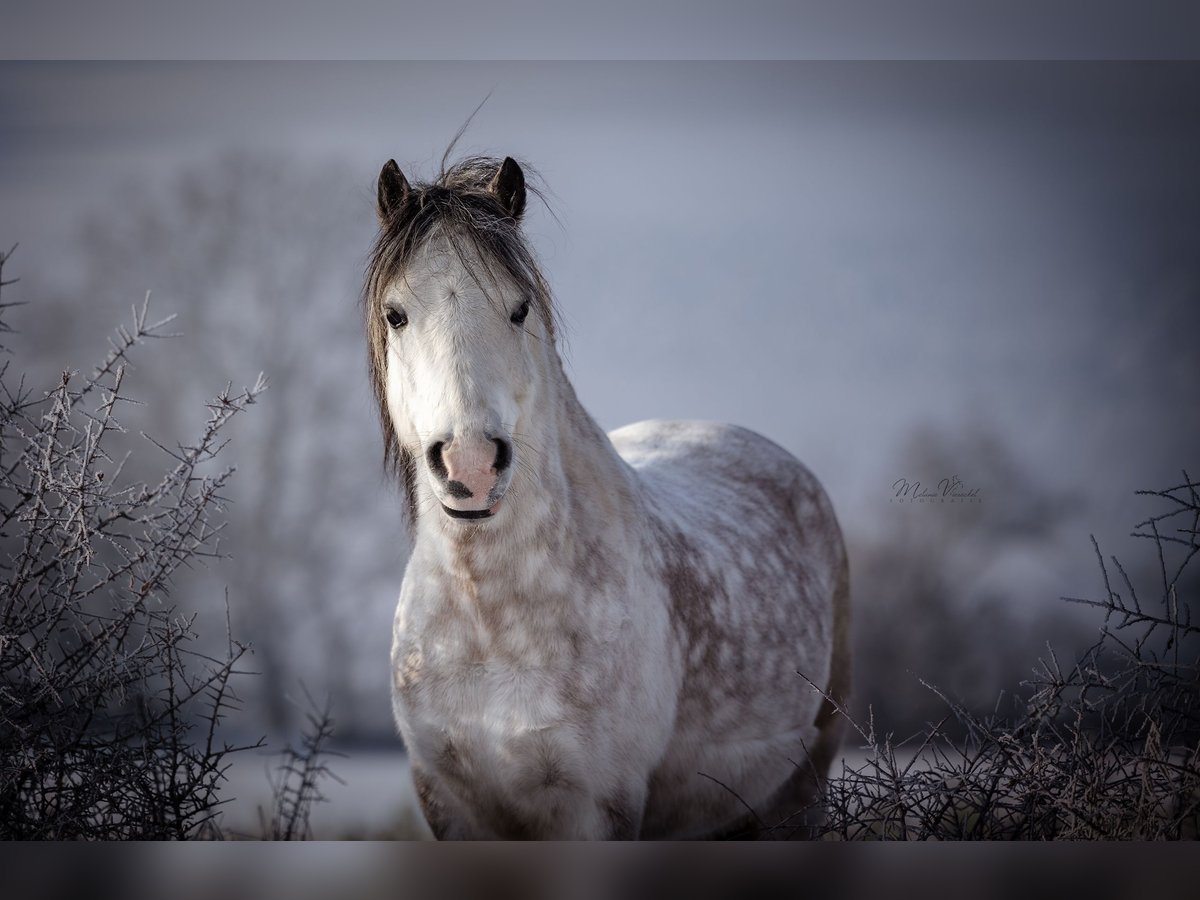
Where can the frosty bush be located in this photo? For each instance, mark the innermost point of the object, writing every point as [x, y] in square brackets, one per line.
[109, 712]
[1105, 748]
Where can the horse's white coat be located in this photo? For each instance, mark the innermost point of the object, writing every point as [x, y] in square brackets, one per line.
[614, 652]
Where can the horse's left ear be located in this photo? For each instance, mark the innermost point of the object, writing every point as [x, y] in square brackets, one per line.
[392, 191]
[508, 186]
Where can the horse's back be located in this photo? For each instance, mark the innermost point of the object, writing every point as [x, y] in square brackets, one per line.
[666, 447]
[754, 560]
[730, 492]
[709, 471]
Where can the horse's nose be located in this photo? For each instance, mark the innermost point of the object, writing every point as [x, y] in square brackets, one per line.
[469, 466]
[503, 455]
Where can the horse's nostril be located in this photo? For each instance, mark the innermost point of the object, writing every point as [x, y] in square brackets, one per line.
[503, 455]
[436, 464]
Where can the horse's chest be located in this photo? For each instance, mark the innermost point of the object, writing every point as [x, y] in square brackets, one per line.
[481, 710]
[495, 695]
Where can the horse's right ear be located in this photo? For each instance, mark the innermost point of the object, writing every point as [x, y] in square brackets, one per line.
[393, 190]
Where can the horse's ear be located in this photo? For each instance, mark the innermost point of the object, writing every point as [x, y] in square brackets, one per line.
[393, 190]
[508, 186]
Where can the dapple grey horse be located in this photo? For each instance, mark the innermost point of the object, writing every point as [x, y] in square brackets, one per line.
[635, 634]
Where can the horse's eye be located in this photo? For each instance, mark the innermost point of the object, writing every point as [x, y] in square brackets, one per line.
[396, 317]
[522, 311]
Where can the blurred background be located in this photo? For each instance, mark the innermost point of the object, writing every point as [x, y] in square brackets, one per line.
[987, 272]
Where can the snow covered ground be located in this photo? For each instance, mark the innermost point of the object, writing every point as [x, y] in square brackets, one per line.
[374, 799]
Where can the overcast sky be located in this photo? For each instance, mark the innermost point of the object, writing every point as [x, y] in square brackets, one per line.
[617, 29]
[831, 254]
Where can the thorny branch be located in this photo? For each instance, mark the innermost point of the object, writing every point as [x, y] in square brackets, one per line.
[1107, 748]
[109, 717]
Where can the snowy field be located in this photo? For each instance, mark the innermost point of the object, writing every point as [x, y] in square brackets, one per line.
[376, 800]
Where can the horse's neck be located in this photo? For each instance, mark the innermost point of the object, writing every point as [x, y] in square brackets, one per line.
[597, 486]
[573, 494]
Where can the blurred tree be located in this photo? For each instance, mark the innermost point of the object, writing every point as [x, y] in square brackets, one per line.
[942, 589]
[262, 260]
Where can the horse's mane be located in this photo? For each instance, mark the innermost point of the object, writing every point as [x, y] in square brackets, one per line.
[457, 206]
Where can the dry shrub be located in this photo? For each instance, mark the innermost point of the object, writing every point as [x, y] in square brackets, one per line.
[1105, 748]
[109, 711]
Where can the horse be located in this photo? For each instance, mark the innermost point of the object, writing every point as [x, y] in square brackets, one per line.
[640, 634]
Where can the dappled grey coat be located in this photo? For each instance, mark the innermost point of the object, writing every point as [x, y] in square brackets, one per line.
[641, 634]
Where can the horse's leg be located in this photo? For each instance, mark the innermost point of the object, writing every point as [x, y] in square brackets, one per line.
[614, 817]
[795, 811]
[806, 792]
[622, 815]
[444, 824]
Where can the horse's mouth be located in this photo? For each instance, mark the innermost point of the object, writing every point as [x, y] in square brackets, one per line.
[471, 513]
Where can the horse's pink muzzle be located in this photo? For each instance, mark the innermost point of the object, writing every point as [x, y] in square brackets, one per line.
[470, 473]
